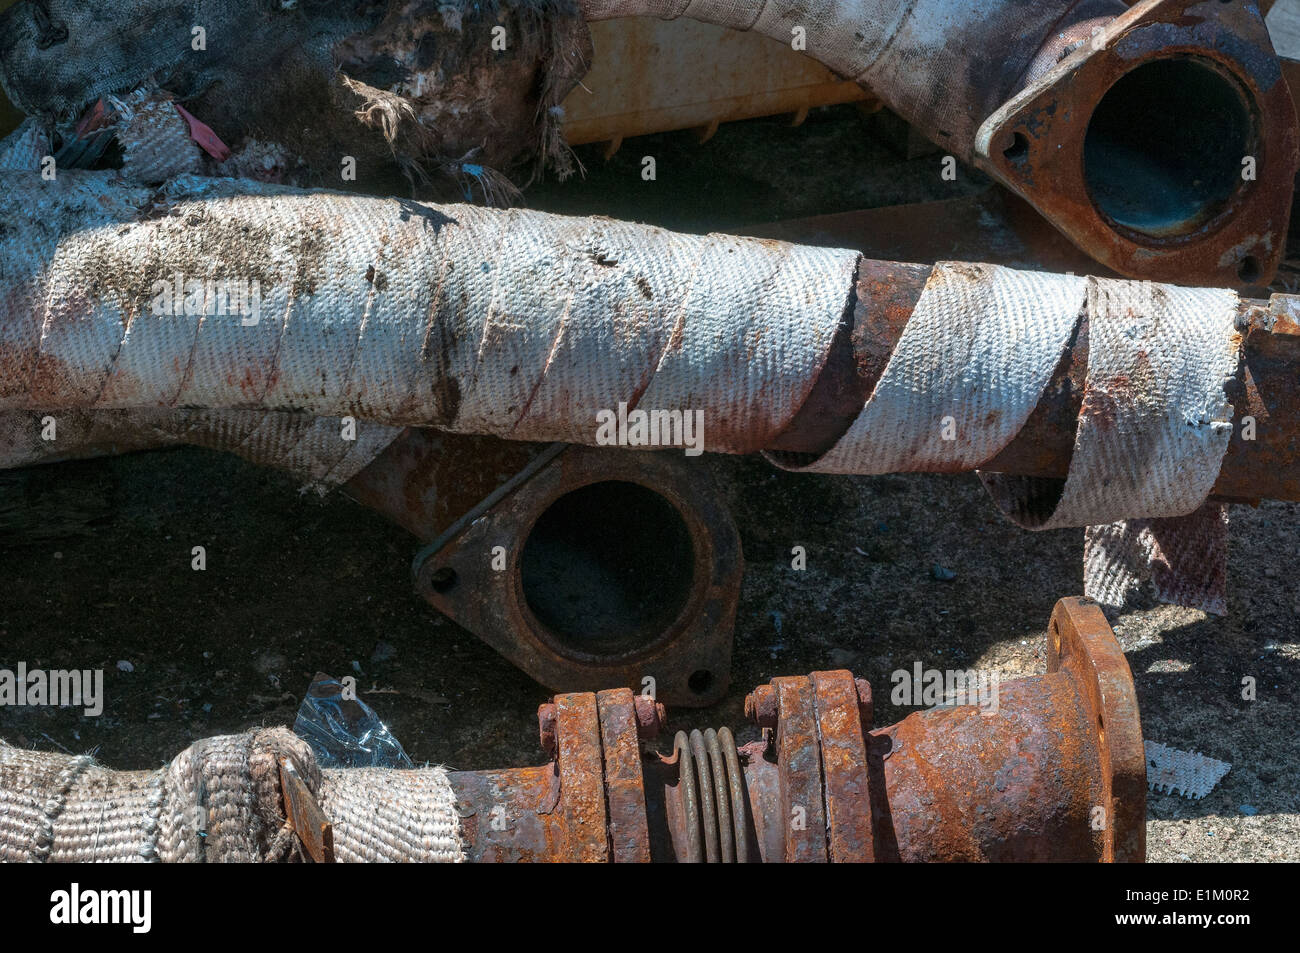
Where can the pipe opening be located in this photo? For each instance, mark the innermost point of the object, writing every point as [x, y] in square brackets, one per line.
[607, 568]
[1165, 147]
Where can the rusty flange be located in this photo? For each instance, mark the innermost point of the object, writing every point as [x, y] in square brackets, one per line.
[1204, 167]
[604, 568]
[1053, 771]
[1082, 646]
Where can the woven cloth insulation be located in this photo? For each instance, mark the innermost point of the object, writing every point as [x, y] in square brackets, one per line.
[1184, 557]
[387, 815]
[526, 326]
[1151, 438]
[972, 363]
[1156, 419]
[323, 452]
[983, 342]
[25, 148]
[218, 801]
[1189, 773]
[515, 323]
[156, 141]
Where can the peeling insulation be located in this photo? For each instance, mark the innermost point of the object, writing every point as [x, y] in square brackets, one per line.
[528, 326]
[451, 98]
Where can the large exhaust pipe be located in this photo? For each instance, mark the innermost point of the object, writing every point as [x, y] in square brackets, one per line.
[1161, 138]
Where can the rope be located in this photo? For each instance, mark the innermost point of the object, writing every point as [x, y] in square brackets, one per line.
[218, 801]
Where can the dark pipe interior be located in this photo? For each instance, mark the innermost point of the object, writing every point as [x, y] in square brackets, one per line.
[1164, 148]
[608, 567]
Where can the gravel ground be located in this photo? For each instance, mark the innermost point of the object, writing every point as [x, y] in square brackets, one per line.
[297, 585]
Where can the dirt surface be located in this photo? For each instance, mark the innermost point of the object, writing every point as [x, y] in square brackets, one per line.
[101, 577]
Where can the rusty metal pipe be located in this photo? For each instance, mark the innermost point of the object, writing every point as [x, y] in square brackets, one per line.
[1050, 767]
[1267, 390]
[1128, 128]
[402, 481]
[1056, 773]
[943, 65]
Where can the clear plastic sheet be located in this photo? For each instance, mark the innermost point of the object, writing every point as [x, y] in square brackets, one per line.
[345, 732]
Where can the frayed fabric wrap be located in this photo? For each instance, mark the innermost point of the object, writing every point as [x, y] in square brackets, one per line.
[1185, 558]
[389, 816]
[323, 452]
[527, 326]
[25, 148]
[218, 801]
[966, 374]
[1152, 435]
[1156, 418]
[516, 324]
[971, 365]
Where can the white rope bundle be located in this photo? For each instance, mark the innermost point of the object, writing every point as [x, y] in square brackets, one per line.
[218, 801]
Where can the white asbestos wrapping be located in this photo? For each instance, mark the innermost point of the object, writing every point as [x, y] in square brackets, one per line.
[517, 324]
[156, 141]
[323, 452]
[1184, 557]
[982, 343]
[527, 326]
[1156, 418]
[382, 815]
[313, 449]
[24, 149]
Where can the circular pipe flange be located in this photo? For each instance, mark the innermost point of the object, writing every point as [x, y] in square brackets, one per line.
[1165, 145]
[607, 567]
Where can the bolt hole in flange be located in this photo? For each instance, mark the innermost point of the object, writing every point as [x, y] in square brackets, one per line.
[700, 682]
[608, 568]
[1249, 270]
[1164, 150]
[443, 580]
[1018, 150]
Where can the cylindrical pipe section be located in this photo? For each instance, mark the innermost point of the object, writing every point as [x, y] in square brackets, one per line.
[775, 345]
[943, 65]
